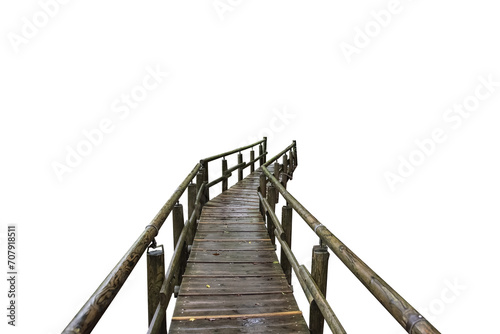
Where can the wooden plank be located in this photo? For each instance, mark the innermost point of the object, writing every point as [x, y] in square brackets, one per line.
[209, 286]
[231, 235]
[289, 324]
[235, 316]
[233, 256]
[233, 270]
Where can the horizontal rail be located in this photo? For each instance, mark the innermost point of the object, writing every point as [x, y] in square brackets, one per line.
[279, 155]
[88, 316]
[411, 320]
[312, 293]
[225, 154]
[226, 175]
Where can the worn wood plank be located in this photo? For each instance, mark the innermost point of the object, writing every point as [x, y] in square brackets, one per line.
[233, 256]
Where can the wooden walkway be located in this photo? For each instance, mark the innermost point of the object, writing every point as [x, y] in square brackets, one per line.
[233, 282]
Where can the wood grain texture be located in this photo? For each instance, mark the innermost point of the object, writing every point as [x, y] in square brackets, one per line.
[233, 281]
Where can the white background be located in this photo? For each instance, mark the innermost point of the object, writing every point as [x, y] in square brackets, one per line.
[226, 77]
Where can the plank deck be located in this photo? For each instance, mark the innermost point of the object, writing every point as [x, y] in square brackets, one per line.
[233, 282]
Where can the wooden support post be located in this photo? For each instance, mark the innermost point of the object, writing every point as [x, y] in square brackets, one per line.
[286, 222]
[240, 170]
[199, 182]
[155, 277]
[252, 165]
[224, 169]
[277, 176]
[319, 272]
[262, 187]
[271, 198]
[205, 178]
[191, 198]
[265, 149]
[295, 152]
[261, 160]
[284, 174]
[178, 221]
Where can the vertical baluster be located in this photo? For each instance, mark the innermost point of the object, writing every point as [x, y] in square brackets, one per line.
[262, 187]
[261, 160]
[265, 149]
[191, 198]
[284, 174]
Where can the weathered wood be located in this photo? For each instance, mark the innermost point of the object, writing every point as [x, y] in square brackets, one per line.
[191, 198]
[320, 300]
[224, 169]
[240, 170]
[271, 198]
[177, 222]
[155, 277]
[262, 160]
[284, 173]
[286, 223]
[319, 273]
[252, 157]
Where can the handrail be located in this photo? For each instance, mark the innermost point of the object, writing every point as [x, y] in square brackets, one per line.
[88, 316]
[411, 320]
[310, 290]
[91, 312]
[225, 154]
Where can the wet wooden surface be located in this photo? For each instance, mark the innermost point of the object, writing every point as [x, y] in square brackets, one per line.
[233, 282]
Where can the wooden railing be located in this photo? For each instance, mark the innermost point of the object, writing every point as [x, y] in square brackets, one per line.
[161, 284]
[314, 283]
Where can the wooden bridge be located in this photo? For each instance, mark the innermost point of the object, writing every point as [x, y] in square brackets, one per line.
[224, 271]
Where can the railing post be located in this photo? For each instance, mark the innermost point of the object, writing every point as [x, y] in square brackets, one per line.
[155, 277]
[284, 173]
[205, 178]
[265, 148]
[240, 170]
[252, 156]
[178, 221]
[199, 181]
[319, 272]
[262, 187]
[286, 222]
[191, 198]
[224, 169]
[261, 160]
[277, 176]
[271, 198]
[295, 153]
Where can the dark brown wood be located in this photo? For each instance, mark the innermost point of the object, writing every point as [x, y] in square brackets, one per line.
[224, 170]
[271, 198]
[177, 222]
[262, 159]
[233, 272]
[319, 272]
[155, 277]
[286, 223]
[240, 170]
[284, 173]
[191, 198]
[252, 157]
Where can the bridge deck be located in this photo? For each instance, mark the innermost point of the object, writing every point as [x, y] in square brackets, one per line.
[233, 282]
